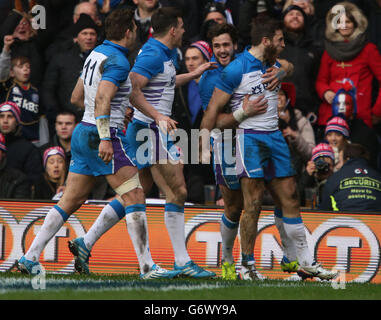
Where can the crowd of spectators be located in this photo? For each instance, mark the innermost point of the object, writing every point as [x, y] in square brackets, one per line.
[332, 99]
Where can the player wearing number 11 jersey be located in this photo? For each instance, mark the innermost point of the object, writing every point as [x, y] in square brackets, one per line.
[99, 147]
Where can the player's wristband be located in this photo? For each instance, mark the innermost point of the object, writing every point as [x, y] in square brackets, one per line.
[103, 126]
[240, 115]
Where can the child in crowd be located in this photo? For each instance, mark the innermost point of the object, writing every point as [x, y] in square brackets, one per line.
[337, 136]
[19, 90]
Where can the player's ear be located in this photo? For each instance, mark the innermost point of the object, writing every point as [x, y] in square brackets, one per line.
[266, 41]
[172, 31]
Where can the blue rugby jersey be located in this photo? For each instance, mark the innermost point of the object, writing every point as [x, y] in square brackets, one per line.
[207, 83]
[108, 62]
[244, 76]
[157, 62]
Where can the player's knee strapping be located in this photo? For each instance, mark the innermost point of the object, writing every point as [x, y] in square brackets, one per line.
[129, 185]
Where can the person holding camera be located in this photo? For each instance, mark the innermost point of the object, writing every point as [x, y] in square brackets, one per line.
[320, 168]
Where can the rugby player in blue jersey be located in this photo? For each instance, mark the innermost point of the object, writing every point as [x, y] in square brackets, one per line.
[153, 80]
[261, 152]
[224, 39]
[99, 147]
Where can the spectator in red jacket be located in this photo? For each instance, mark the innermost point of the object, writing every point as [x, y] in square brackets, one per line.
[349, 55]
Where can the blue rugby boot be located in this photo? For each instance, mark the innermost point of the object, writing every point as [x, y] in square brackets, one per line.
[192, 270]
[29, 267]
[81, 254]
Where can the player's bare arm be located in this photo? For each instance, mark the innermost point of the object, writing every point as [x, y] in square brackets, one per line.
[249, 108]
[274, 76]
[106, 92]
[218, 100]
[78, 94]
[287, 66]
[216, 104]
[184, 78]
[138, 100]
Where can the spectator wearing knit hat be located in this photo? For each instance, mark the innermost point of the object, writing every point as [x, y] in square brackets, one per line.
[337, 135]
[319, 168]
[315, 25]
[54, 176]
[188, 96]
[187, 111]
[301, 51]
[64, 35]
[13, 183]
[64, 69]
[21, 153]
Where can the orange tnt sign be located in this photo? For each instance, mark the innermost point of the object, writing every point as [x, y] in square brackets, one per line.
[345, 241]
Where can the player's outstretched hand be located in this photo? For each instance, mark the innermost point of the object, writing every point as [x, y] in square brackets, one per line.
[205, 66]
[255, 106]
[272, 78]
[166, 124]
[105, 151]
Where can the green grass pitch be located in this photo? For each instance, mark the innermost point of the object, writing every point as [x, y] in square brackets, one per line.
[130, 287]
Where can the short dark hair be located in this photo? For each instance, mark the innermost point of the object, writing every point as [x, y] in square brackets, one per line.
[67, 113]
[264, 28]
[218, 29]
[117, 22]
[163, 19]
[355, 150]
[19, 60]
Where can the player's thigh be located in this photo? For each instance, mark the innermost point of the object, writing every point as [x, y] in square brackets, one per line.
[78, 188]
